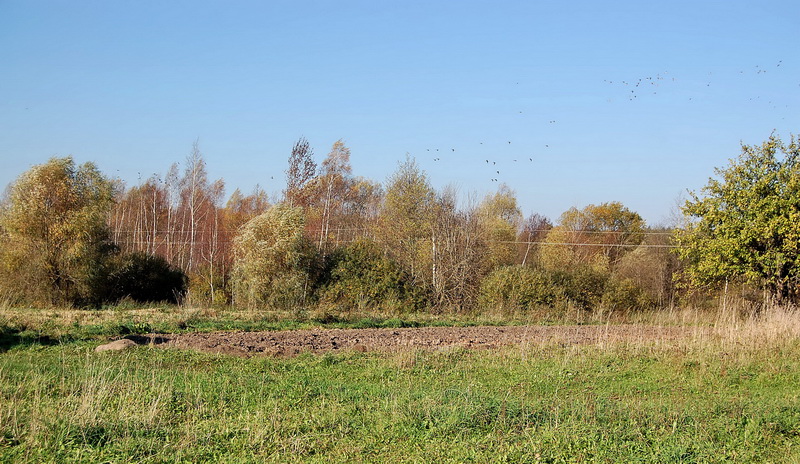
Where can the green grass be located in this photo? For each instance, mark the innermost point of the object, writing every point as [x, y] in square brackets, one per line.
[710, 401]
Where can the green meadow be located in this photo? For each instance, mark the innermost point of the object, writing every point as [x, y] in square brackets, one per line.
[731, 396]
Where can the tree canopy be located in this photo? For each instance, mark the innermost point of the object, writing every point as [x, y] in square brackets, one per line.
[597, 235]
[69, 235]
[55, 219]
[272, 259]
[745, 224]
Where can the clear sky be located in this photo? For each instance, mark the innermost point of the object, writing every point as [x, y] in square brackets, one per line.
[573, 102]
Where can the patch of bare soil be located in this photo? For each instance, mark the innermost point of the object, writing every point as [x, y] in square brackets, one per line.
[294, 342]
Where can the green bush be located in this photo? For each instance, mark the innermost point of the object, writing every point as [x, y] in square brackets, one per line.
[625, 295]
[361, 276]
[146, 278]
[582, 286]
[518, 288]
[274, 264]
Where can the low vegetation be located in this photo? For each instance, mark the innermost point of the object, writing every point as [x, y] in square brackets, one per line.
[728, 396]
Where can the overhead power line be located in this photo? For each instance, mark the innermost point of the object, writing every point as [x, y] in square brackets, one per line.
[610, 245]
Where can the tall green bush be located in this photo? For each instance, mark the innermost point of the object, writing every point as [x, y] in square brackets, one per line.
[274, 264]
[625, 295]
[361, 276]
[518, 288]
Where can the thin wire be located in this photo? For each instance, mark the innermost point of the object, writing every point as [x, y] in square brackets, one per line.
[631, 245]
[365, 229]
[351, 240]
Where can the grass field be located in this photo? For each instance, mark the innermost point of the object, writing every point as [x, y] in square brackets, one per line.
[730, 397]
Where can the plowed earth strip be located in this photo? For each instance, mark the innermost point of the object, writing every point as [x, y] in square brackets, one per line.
[294, 342]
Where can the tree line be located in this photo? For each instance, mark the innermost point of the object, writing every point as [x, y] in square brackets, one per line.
[73, 236]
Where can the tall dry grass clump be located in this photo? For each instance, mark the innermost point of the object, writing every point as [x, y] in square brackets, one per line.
[774, 326]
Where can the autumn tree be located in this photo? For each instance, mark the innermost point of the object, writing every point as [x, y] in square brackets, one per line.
[241, 208]
[332, 188]
[57, 238]
[140, 216]
[361, 211]
[460, 253]
[198, 212]
[301, 170]
[405, 224]
[200, 238]
[597, 235]
[500, 218]
[745, 223]
[273, 260]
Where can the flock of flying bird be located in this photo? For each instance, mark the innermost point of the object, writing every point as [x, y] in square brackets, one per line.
[493, 164]
[634, 88]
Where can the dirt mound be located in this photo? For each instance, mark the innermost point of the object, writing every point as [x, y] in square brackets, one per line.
[293, 342]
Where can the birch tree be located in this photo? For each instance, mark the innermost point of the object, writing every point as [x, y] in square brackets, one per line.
[334, 185]
[405, 226]
[301, 170]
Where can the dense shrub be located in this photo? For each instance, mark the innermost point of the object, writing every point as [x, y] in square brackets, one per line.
[518, 288]
[652, 269]
[583, 286]
[146, 278]
[625, 295]
[360, 276]
[208, 286]
[275, 264]
[55, 239]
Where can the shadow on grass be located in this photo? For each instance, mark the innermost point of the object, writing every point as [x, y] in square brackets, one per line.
[11, 337]
[147, 339]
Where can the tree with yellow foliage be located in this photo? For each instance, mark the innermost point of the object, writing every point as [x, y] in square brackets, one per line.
[57, 242]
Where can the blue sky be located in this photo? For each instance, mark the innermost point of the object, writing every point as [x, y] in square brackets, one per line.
[550, 84]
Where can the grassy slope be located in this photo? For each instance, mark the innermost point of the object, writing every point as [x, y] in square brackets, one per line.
[730, 399]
